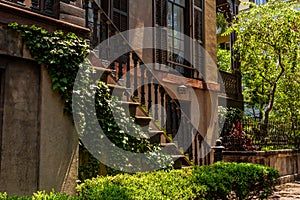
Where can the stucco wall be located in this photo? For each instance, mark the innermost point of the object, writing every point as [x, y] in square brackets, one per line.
[140, 16]
[39, 143]
[210, 40]
[58, 142]
[20, 131]
[285, 161]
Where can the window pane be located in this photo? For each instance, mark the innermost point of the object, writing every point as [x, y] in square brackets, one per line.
[178, 19]
[170, 16]
[198, 3]
[178, 44]
[181, 2]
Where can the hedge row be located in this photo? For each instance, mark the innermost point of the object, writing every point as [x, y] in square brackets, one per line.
[219, 181]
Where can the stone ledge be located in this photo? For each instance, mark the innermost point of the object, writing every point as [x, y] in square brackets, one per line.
[12, 45]
[194, 83]
[288, 178]
[260, 153]
[10, 13]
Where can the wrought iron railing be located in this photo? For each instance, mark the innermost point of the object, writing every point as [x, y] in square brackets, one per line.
[148, 92]
[280, 135]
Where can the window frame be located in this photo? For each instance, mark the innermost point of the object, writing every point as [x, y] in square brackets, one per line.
[183, 67]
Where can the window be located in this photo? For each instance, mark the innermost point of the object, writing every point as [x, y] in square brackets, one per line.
[176, 9]
[177, 27]
[176, 15]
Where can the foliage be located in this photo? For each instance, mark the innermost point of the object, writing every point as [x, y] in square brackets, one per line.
[176, 184]
[39, 195]
[228, 116]
[250, 179]
[61, 53]
[222, 23]
[231, 131]
[268, 38]
[224, 60]
[117, 126]
[218, 181]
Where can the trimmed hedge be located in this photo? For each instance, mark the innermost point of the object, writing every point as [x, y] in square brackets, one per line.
[175, 184]
[219, 181]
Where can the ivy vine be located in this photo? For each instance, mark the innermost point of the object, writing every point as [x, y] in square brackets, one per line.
[61, 53]
[64, 54]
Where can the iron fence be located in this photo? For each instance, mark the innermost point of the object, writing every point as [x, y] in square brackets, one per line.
[250, 134]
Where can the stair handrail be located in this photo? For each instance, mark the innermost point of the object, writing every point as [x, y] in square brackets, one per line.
[137, 58]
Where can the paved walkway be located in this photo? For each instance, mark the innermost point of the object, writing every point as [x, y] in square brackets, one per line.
[287, 191]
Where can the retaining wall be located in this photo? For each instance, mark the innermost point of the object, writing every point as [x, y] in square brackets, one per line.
[285, 161]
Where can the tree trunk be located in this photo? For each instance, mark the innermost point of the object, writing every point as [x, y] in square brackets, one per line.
[268, 110]
[271, 98]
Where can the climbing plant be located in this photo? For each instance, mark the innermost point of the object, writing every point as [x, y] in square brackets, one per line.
[61, 53]
[64, 54]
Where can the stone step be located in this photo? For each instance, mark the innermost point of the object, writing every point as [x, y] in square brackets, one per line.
[102, 73]
[130, 107]
[170, 148]
[143, 121]
[181, 161]
[155, 136]
[178, 160]
[117, 90]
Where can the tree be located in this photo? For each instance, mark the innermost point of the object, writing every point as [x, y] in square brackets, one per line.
[268, 48]
[224, 59]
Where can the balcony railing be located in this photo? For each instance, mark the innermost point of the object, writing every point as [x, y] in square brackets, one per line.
[229, 84]
[46, 7]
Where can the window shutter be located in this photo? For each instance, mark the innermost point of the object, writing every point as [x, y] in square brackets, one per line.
[198, 3]
[161, 34]
[198, 31]
[120, 14]
[161, 12]
[198, 36]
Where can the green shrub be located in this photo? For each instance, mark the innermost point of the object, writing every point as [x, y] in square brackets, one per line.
[249, 179]
[40, 195]
[219, 181]
[175, 184]
[4, 196]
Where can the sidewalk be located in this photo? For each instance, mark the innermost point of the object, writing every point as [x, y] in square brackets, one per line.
[287, 191]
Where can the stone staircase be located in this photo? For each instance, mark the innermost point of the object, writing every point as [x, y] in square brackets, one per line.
[136, 110]
[138, 102]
